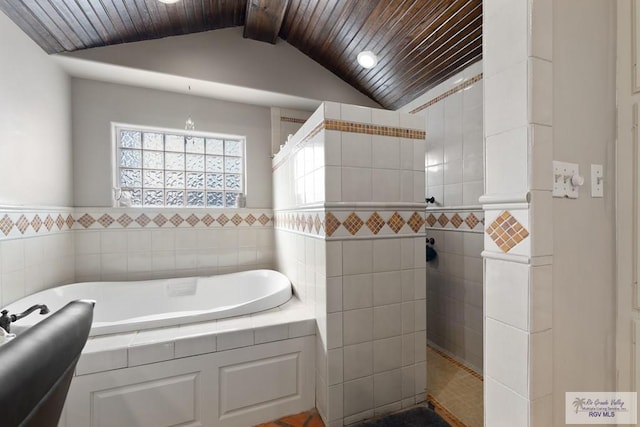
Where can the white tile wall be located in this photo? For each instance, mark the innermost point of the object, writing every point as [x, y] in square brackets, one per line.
[454, 147]
[32, 264]
[147, 254]
[367, 308]
[455, 296]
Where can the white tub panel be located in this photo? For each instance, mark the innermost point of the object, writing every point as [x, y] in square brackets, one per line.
[163, 403]
[245, 385]
[240, 387]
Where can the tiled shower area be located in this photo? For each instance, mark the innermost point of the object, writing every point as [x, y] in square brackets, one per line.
[453, 115]
[349, 220]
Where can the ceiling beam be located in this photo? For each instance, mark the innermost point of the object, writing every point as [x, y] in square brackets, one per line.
[264, 18]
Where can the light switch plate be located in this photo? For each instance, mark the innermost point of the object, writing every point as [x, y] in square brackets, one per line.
[562, 174]
[597, 181]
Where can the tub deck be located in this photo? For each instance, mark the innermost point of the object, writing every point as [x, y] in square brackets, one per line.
[117, 351]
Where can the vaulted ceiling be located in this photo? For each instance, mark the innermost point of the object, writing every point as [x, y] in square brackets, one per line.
[419, 43]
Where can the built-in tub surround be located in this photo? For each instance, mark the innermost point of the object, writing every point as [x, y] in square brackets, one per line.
[213, 372]
[37, 250]
[131, 306]
[41, 248]
[349, 218]
[454, 162]
[145, 243]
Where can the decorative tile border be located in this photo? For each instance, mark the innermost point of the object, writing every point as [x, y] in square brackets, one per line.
[351, 127]
[448, 93]
[292, 120]
[506, 231]
[28, 223]
[346, 224]
[17, 224]
[210, 218]
[469, 220]
[370, 129]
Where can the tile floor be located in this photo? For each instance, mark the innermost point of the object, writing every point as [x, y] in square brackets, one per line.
[304, 419]
[454, 390]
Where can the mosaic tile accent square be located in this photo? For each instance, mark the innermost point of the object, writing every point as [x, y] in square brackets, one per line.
[208, 220]
[456, 220]
[431, 220]
[36, 223]
[176, 220]
[85, 220]
[48, 222]
[22, 224]
[236, 219]
[124, 220]
[472, 220]
[416, 222]
[250, 219]
[6, 224]
[375, 222]
[353, 223]
[263, 219]
[143, 220]
[317, 223]
[331, 224]
[192, 220]
[160, 220]
[105, 220]
[443, 220]
[506, 231]
[396, 222]
[222, 220]
[60, 222]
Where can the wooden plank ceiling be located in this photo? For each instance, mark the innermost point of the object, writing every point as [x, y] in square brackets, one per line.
[419, 43]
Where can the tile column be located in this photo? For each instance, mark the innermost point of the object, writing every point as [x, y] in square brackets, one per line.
[518, 245]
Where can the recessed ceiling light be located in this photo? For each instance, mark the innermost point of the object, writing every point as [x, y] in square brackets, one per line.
[367, 59]
[169, 1]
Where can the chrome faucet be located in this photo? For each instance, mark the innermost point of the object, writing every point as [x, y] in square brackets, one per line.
[6, 318]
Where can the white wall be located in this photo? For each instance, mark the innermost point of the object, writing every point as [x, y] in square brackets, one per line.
[35, 114]
[224, 56]
[96, 105]
[584, 132]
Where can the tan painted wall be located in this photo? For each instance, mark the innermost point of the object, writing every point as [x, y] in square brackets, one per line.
[624, 192]
[584, 132]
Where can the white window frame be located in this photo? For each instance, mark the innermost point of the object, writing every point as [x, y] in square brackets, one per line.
[115, 165]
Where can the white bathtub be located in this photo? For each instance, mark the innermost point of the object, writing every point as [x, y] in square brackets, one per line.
[133, 306]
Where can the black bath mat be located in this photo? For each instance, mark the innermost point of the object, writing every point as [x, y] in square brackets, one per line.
[415, 417]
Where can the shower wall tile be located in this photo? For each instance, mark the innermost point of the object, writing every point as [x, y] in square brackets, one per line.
[385, 152]
[372, 253]
[504, 406]
[507, 164]
[506, 99]
[503, 33]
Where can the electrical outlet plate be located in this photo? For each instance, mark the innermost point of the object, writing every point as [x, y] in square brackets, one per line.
[562, 174]
[597, 181]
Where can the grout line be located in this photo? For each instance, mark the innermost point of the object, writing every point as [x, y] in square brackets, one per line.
[447, 415]
[458, 364]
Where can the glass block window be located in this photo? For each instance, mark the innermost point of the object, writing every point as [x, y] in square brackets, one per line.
[176, 169]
